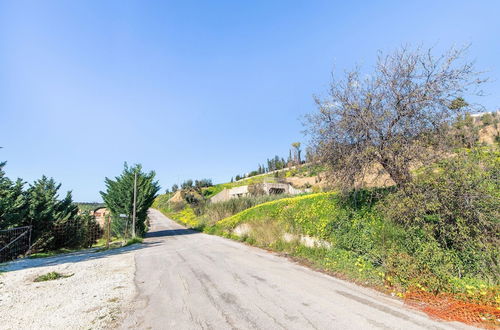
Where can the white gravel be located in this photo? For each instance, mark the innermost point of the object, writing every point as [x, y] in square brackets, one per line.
[94, 297]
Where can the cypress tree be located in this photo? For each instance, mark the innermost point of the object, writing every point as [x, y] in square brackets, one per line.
[119, 198]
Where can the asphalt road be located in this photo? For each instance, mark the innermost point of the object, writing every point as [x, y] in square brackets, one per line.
[189, 280]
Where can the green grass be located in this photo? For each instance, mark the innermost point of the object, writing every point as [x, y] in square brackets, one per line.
[115, 242]
[306, 170]
[51, 277]
[134, 240]
[320, 216]
[51, 253]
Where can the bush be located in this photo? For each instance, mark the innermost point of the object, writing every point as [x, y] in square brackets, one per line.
[457, 200]
[487, 119]
[456, 203]
[134, 240]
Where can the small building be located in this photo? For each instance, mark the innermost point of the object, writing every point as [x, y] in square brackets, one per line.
[100, 215]
[257, 189]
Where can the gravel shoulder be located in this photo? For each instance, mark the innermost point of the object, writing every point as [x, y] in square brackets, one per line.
[100, 288]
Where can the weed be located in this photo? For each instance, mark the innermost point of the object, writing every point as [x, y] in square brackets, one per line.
[51, 277]
[134, 240]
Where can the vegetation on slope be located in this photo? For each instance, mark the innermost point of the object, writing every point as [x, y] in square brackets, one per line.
[199, 214]
[440, 234]
[437, 229]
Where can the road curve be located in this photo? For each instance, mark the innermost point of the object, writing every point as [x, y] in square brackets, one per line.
[190, 280]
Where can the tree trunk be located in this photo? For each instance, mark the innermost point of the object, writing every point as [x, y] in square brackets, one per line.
[399, 174]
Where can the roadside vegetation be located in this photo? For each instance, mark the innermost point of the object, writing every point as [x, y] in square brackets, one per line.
[56, 223]
[446, 242]
[134, 240]
[34, 219]
[202, 213]
[190, 203]
[433, 226]
[119, 199]
[372, 235]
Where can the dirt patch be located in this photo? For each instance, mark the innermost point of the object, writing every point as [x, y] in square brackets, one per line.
[177, 197]
[101, 286]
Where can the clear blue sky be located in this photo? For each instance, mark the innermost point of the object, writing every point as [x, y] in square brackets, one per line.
[194, 89]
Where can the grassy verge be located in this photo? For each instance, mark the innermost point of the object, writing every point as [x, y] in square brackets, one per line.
[100, 246]
[353, 241]
[51, 253]
[134, 240]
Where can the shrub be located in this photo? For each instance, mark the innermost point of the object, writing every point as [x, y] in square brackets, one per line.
[487, 119]
[456, 203]
[134, 240]
[458, 199]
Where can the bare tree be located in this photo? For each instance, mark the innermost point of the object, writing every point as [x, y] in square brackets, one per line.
[396, 117]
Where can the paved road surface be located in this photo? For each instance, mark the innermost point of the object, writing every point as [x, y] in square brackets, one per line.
[189, 280]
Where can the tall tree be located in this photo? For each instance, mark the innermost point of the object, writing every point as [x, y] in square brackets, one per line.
[396, 116]
[187, 184]
[45, 210]
[296, 146]
[119, 198]
[55, 222]
[12, 201]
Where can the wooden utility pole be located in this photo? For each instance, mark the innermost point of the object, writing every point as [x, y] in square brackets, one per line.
[108, 225]
[135, 201]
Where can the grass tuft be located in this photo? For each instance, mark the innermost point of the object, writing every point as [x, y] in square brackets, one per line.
[51, 277]
[134, 241]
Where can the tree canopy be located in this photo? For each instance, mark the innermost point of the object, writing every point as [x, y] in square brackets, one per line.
[55, 222]
[396, 116]
[119, 198]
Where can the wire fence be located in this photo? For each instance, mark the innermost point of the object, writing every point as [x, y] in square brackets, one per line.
[14, 242]
[76, 233]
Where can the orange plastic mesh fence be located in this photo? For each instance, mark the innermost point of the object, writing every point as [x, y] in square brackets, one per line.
[448, 308]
